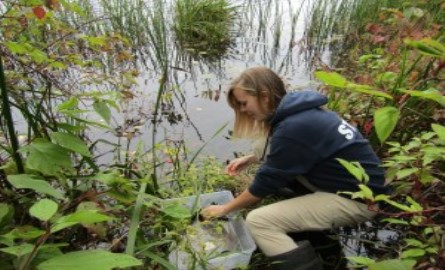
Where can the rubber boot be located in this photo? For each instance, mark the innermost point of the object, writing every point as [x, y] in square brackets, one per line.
[303, 257]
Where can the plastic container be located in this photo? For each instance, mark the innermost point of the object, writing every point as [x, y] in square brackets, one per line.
[237, 240]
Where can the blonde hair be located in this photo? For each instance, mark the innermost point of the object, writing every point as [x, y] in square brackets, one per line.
[255, 81]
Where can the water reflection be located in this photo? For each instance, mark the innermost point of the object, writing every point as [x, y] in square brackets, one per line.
[193, 106]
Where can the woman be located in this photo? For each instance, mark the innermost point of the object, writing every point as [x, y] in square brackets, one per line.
[304, 144]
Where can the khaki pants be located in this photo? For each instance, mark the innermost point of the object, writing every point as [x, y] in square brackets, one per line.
[316, 211]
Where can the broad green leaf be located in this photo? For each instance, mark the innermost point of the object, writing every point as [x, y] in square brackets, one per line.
[394, 264]
[385, 120]
[432, 250]
[24, 249]
[440, 130]
[71, 142]
[90, 260]
[6, 213]
[366, 89]
[15, 47]
[176, 211]
[44, 209]
[85, 217]
[414, 242]
[331, 78]
[367, 192]
[406, 172]
[82, 216]
[431, 94]
[361, 260]
[397, 205]
[355, 169]
[27, 181]
[103, 110]
[18, 251]
[413, 252]
[26, 232]
[47, 158]
[69, 104]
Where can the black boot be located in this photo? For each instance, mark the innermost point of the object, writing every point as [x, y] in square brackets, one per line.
[301, 258]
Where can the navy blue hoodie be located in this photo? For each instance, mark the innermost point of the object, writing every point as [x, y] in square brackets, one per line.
[306, 140]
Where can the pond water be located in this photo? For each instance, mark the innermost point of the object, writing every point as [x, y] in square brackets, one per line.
[265, 33]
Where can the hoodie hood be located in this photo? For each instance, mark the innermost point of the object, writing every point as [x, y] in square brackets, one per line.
[296, 102]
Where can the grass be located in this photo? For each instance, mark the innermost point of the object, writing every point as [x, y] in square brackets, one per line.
[203, 26]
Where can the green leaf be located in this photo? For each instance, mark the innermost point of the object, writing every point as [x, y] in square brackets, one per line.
[71, 142]
[414, 242]
[121, 188]
[431, 94]
[355, 169]
[15, 47]
[366, 89]
[337, 80]
[90, 260]
[415, 206]
[25, 249]
[27, 181]
[176, 211]
[366, 191]
[395, 221]
[406, 172]
[44, 209]
[6, 214]
[397, 205]
[69, 104]
[413, 253]
[26, 232]
[428, 47]
[385, 120]
[47, 158]
[331, 78]
[394, 264]
[82, 216]
[71, 128]
[103, 110]
[38, 56]
[440, 130]
[18, 251]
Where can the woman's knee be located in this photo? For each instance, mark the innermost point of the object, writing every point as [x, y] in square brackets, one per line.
[257, 219]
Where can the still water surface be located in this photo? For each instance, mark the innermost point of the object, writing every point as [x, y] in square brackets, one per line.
[267, 33]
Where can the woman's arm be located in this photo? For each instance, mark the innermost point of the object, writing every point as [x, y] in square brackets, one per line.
[244, 200]
[239, 164]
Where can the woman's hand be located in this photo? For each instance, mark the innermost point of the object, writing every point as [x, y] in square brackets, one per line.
[237, 165]
[214, 211]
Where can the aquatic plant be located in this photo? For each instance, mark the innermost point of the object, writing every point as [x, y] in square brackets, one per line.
[204, 27]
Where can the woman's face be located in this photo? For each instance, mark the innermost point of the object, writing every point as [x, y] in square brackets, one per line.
[251, 105]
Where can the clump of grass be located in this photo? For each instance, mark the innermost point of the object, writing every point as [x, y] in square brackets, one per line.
[203, 26]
